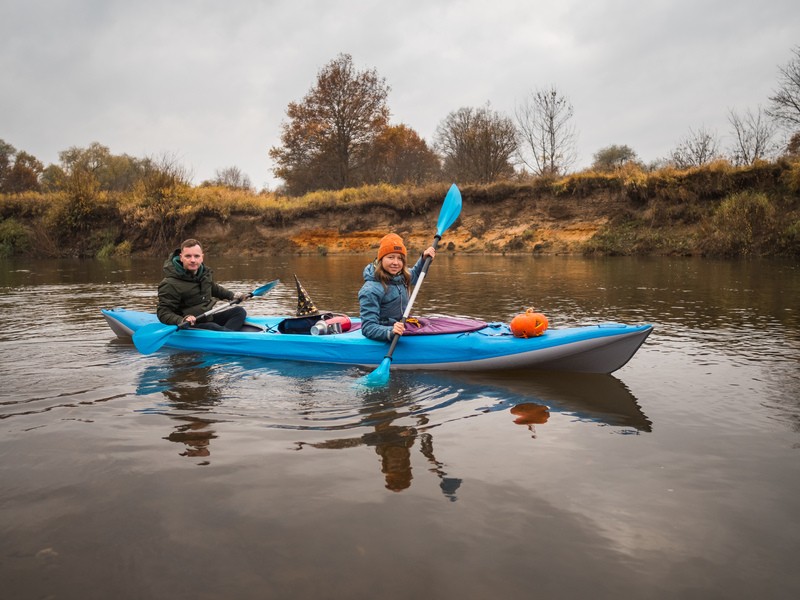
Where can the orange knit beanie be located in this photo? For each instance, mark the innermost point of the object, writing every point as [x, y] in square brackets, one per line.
[391, 243]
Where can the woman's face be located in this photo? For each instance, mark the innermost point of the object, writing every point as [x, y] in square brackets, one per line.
[393, 263]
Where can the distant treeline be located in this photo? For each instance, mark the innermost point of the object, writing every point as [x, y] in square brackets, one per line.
[340, 136]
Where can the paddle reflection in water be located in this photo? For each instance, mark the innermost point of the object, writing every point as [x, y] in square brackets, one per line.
[393, 442]
[187, 383]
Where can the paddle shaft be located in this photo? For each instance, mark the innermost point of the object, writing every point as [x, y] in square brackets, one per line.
[414, 293]
[212, 311]
[151, 337]
[260, 291]
[451, 208]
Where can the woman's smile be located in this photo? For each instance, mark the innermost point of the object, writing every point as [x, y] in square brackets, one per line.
[393, 263]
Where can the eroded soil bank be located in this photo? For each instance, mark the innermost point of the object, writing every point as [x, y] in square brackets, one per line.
[561, 226]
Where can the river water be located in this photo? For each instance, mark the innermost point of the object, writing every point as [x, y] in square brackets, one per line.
[183, 475]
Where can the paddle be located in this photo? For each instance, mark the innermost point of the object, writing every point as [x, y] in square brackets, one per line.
[451, 208]
[151, 337]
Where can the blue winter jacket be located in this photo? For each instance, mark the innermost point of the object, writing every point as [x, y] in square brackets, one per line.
[380, 309]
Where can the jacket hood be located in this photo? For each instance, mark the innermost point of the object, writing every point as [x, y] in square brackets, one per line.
[369, 272]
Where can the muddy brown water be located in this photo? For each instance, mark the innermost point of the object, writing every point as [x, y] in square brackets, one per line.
[183, 475]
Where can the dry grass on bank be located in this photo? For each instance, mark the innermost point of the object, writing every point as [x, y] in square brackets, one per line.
[628, 211]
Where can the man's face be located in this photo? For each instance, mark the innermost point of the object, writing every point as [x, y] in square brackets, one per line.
[192, 258]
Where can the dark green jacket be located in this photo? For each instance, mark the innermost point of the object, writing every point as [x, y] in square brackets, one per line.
[181, 294]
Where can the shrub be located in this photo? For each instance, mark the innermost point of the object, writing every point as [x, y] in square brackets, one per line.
[14, 238]
[743, 224]
[789, 241]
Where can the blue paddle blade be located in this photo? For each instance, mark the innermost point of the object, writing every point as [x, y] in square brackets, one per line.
[451, 208]
[380, 376]
[151, 337]
[265, 288]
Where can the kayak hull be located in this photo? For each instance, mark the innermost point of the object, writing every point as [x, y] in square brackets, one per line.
[601, 348]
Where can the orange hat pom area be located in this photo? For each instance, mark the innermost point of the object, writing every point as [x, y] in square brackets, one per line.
[529, 324]
[390, 243]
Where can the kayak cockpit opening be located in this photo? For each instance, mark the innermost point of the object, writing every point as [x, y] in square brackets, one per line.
[326, 323]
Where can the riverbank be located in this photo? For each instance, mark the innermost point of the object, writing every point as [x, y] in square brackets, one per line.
[518, 224]
[714, 210]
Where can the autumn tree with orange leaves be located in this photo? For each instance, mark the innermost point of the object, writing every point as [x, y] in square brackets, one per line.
[399, 156]
[339, 136]
[327, 140]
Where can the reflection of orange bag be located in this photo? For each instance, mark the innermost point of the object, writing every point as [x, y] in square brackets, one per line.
[530, 413]
[529, 324]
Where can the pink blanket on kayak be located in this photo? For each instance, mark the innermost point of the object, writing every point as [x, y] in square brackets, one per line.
[435, 325]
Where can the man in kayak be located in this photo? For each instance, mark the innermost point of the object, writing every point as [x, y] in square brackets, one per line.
[188, 290]
[387, 283]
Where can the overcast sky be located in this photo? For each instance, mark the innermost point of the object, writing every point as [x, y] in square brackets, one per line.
[208, 82]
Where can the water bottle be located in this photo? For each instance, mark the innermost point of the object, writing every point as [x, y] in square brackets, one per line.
[332, 326]
[341, 323]
[319, 328]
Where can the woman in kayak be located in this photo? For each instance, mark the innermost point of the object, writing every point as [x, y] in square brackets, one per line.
[188, 289]
[387, 285]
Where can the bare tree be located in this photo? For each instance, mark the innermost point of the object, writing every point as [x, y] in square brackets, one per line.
[548, 137]
[162, 174]
[785, 104]
[753, 137]
[231, 177]
[477, 145]
[699, 147]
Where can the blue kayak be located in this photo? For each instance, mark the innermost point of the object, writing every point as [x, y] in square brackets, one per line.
[474, 346]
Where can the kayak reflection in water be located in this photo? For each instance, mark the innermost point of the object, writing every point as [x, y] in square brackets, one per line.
[188, 386]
